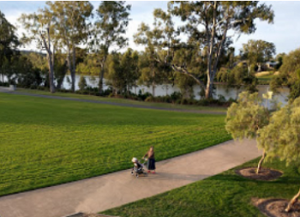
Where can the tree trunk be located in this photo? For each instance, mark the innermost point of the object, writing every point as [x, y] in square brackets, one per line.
[260, 162]
[101, 76]
[73, 68]
[50, 63]
[292, 202]
[70, 69]
[153, 89]
[51, 83]
[259, 67]
[209, 86]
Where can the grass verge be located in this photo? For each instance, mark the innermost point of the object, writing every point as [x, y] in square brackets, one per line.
[127, 101]
[226, 194]
[45, 142]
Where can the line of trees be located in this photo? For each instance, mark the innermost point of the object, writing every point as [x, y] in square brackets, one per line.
[75, 40]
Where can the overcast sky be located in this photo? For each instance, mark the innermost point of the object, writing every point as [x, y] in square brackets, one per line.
[284, 33]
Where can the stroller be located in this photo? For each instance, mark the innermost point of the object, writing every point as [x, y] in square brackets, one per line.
[138, 167]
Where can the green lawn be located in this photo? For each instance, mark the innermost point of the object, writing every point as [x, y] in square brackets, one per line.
[127, 101]
[44, 142]
[226, 194]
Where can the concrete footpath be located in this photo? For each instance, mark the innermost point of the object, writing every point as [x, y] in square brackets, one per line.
[115, 189]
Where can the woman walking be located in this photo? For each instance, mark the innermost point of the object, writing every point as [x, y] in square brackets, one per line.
[151, 160]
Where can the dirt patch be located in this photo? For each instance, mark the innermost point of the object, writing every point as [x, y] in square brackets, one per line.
[265, 174]
[276, 207]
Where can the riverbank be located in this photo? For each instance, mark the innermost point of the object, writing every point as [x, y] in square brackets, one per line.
[133, 103]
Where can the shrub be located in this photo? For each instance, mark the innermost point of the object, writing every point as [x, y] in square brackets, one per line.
[149, 99]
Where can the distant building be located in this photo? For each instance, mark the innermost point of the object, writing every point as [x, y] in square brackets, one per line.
[271, 64]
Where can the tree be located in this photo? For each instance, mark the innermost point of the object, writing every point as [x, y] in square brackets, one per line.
[129, 67]
[258, 51]
[108, 32]
[8, 43]
[209, 24]
[281, 137]
[160, 44]
[70, 20]
[246, 117]
[82, 83]
[238, 77]
[289, 75]
[40, 26]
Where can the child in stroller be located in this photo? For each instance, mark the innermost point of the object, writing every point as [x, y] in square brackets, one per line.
[138, 167]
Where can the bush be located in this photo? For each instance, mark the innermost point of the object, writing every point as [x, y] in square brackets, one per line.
[149, 99]
[111, 95]
[143, 96]
[82, 83]
[4, 84]
[176, 96]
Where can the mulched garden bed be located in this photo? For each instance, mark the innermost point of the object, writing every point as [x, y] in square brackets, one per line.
[276, 207]
[265, 174]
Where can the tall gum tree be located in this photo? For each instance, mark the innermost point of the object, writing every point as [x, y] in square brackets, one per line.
[71, 20]
[160, 45]
[40, 26]
[108, 32]
[211, 21]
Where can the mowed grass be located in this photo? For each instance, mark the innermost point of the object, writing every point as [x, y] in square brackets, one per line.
[45, 142]
[226, 194]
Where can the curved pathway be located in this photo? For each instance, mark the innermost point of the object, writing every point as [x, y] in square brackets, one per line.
[111, 103]
[115, 189]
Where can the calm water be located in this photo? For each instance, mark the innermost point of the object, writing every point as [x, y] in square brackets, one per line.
[162, 90]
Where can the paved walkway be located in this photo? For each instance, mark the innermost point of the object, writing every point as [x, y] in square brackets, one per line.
[115, 189]
[111, 103]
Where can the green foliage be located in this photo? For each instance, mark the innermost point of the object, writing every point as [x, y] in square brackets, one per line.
[112, 18]
[247, 116]
[238, 77]
[87, 139]
[288, 74]
[8, 45]
[281, 136]
[258, 51]
[212, 20]
[82, 83]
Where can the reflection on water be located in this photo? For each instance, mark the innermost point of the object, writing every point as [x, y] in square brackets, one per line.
[162, 90]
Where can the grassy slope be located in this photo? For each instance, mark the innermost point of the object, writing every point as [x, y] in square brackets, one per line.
[45, 141]
[126, 101]
[226, 194]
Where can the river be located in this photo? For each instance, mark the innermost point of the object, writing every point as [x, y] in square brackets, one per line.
[162, 90]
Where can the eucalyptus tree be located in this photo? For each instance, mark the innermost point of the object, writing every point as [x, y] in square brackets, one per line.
[160, 44]
[108, 32]
[71, 20]
[40, 27]
[210, 22]
[257, 51]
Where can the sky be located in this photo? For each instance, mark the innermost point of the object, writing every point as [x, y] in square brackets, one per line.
[284, 33]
